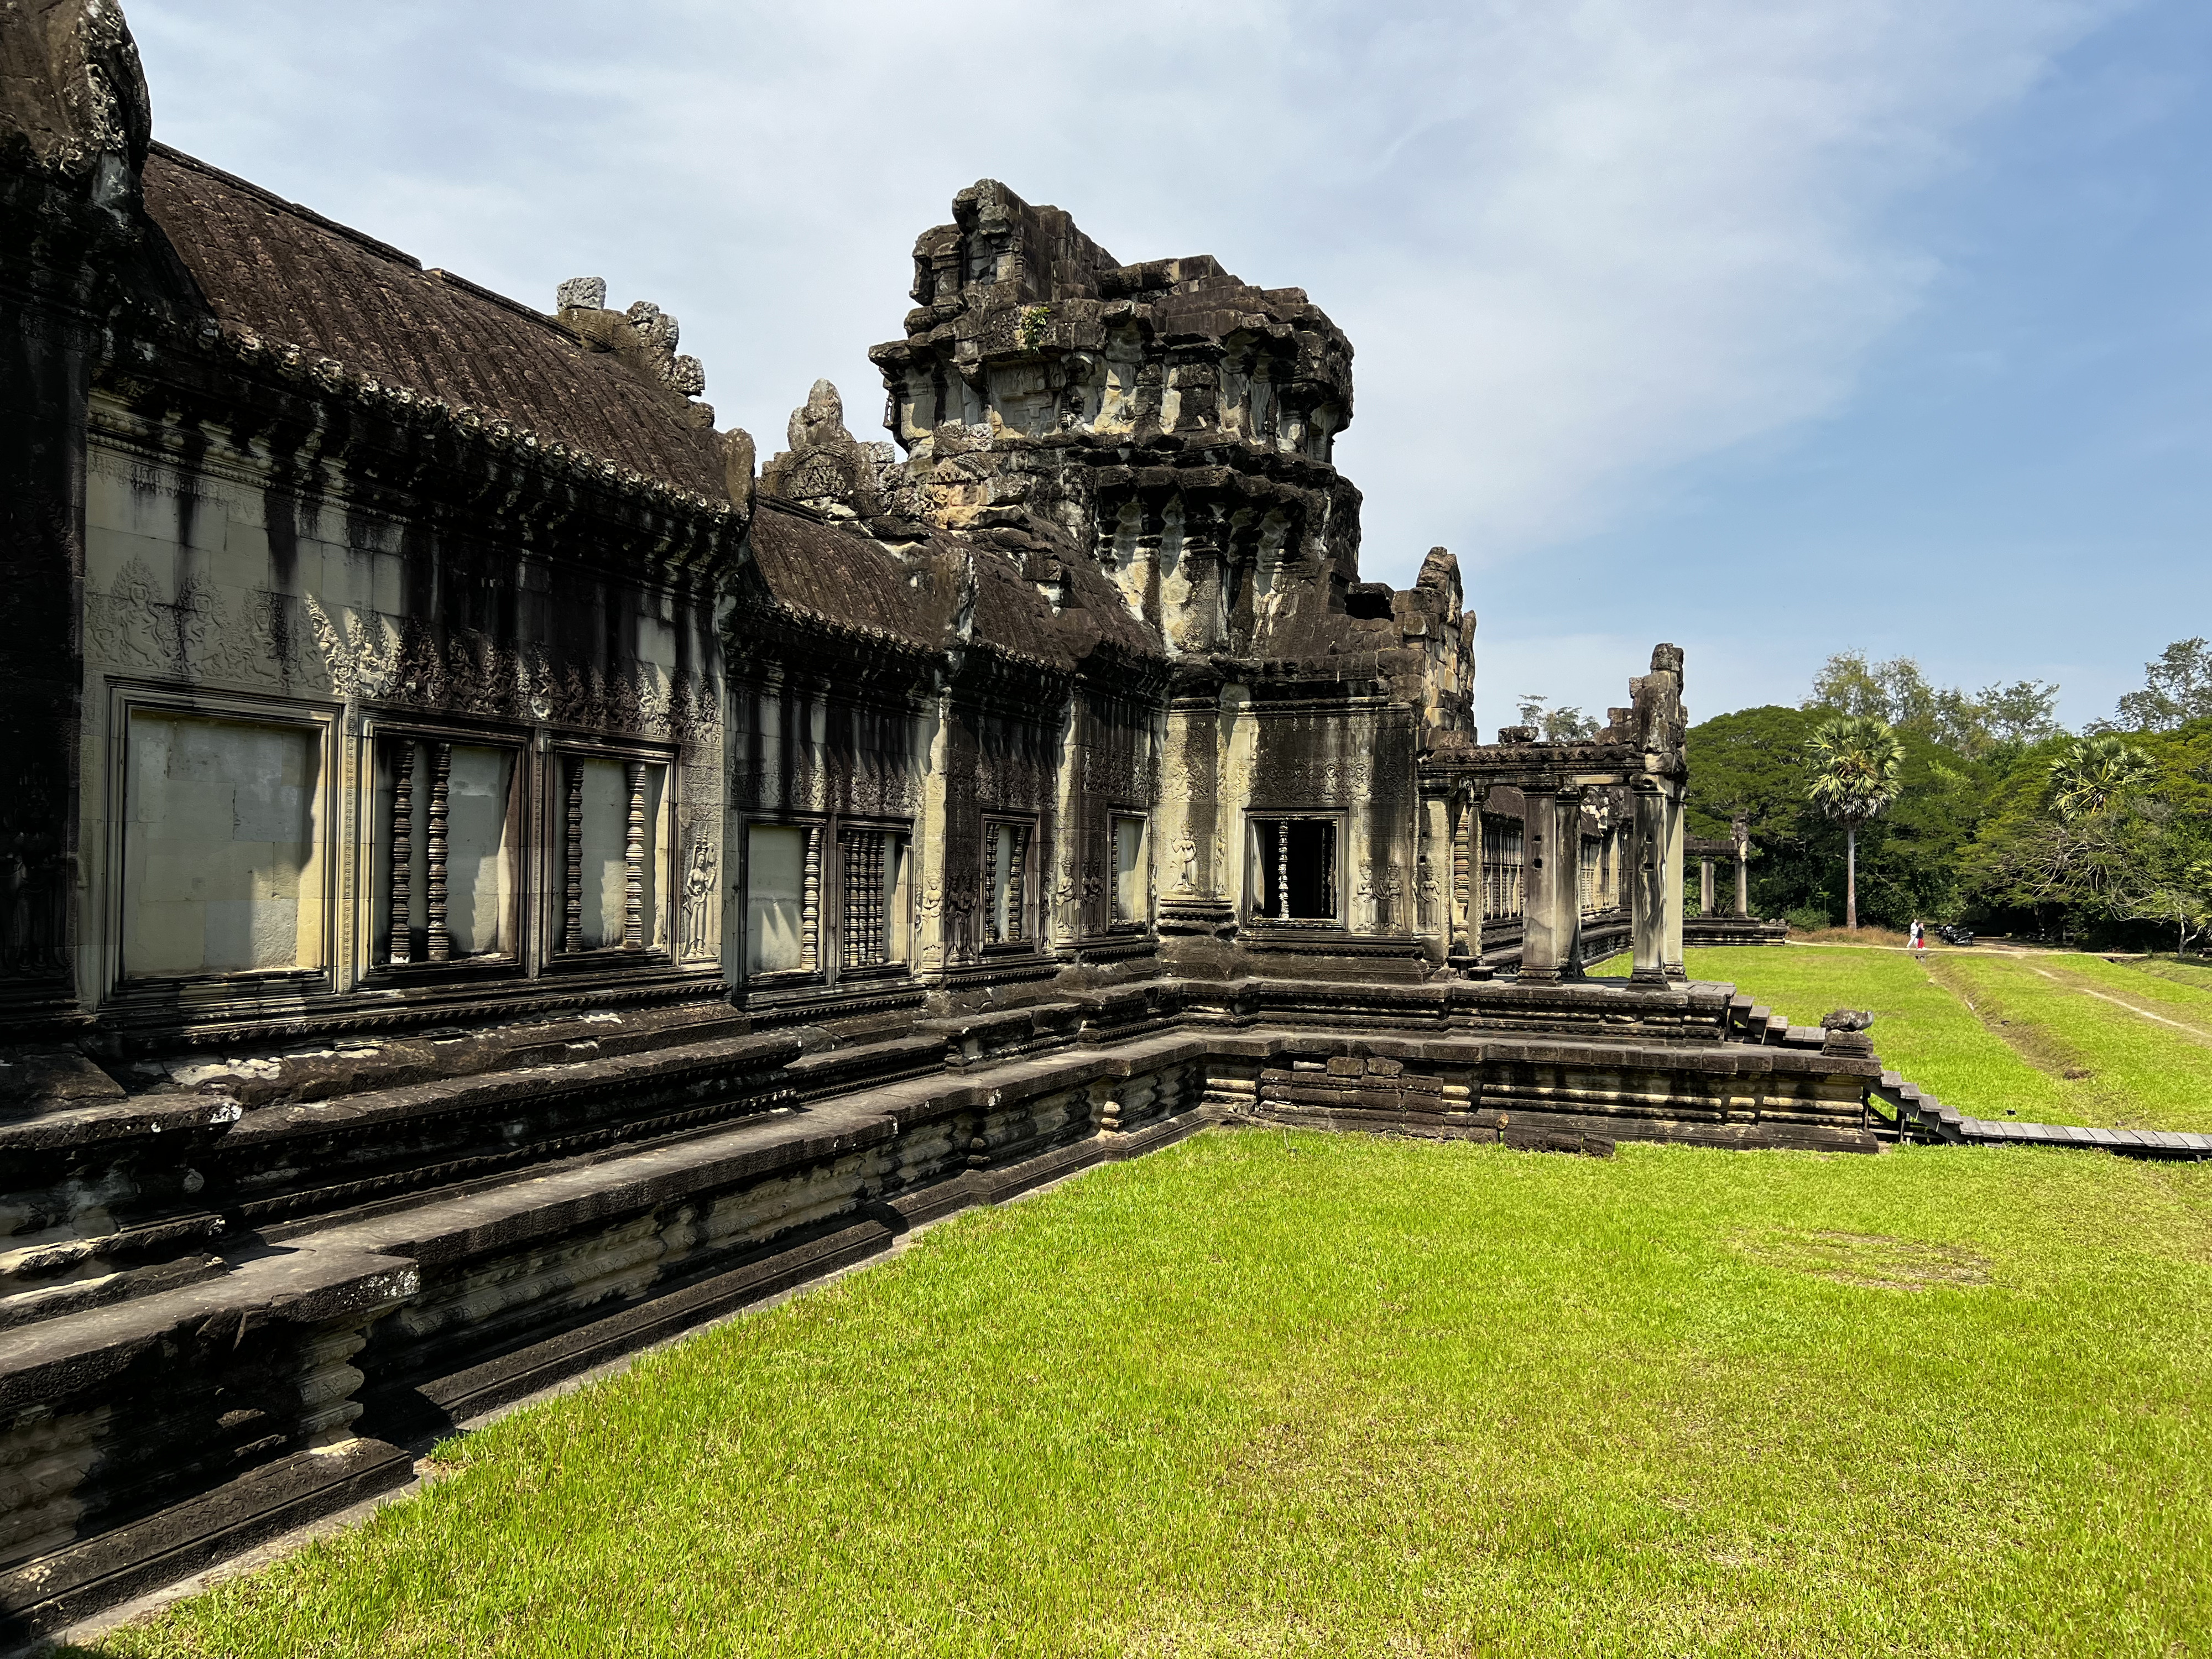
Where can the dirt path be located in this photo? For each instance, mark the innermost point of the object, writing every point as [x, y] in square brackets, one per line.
[2075, 983]
[2040, 1046]
[1986, 951]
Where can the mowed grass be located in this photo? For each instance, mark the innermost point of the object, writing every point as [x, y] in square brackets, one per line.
[2136, 1048]
[1269, 1393]
[2040, 1038]
[1922, 1029]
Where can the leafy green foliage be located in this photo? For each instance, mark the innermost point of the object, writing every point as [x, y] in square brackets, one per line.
[1754, 762]
[2177, 690]
[1855, 760]
[2097, 777]
[1565, 724]
[1899, 693]
[2106, 837]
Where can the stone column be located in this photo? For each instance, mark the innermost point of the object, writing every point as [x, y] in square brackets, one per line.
[1743, 879]
[45, 379]
[1705, 885]
[1647, 852]
[1673, 798]
[1567, 880]
[1542, 934]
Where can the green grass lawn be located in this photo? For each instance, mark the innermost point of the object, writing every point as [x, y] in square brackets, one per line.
[2192, 972]
[2005, 1035]
[1269, 1394]
[2072, 1013]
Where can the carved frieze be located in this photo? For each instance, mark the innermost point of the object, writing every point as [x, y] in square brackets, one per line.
[292, 643]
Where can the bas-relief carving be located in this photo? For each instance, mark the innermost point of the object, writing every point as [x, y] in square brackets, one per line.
[197, 634]
[1013, 781]
[288, 642]
[700, 912]
[1288, 779]
[880, 786]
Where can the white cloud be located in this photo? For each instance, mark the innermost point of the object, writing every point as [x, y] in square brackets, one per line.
[1576, 242]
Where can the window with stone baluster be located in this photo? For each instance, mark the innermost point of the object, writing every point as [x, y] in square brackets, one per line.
[827, 899]
[1294, 869]
[1502, 860]
[1131, 896]
[875, 897]
[1009, 883]
[444, 840]
[611, 813]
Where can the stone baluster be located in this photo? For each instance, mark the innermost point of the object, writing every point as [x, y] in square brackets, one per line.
[810, 903]
[572, 902]
[1283, 870]
[993, 876]
[402, 922]
[438, 945]
[634, 860]
[1018, 841]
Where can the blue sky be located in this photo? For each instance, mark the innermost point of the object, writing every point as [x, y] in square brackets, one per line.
[1771, 327]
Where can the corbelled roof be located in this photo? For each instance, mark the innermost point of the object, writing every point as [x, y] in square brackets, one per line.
[293, 276]
[834, 572]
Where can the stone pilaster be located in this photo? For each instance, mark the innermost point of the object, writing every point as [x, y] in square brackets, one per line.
[1543, 940]
[1567, 880]
[1648, 883]
[1671, 900]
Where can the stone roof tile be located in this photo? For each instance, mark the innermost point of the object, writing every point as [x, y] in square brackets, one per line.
[293, 276]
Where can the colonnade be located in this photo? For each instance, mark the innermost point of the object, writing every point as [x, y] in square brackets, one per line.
[1551, 843]
[1708, 857]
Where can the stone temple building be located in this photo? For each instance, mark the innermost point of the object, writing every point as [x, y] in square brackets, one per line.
[491, 875]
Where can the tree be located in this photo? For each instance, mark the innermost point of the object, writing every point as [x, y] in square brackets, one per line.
[1565, 724]
[1855, 759]
[1900, 693]
[2185, 899]
[2176, 689]
[2096, 775]
[2023, 713]
[2115, 833]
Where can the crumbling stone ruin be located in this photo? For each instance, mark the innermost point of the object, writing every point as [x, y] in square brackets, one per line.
[490, 877]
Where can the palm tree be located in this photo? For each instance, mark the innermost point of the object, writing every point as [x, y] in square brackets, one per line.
[1855, 759]
[2092, 776]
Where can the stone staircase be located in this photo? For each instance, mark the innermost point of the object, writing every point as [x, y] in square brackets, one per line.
[1916, 1116]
